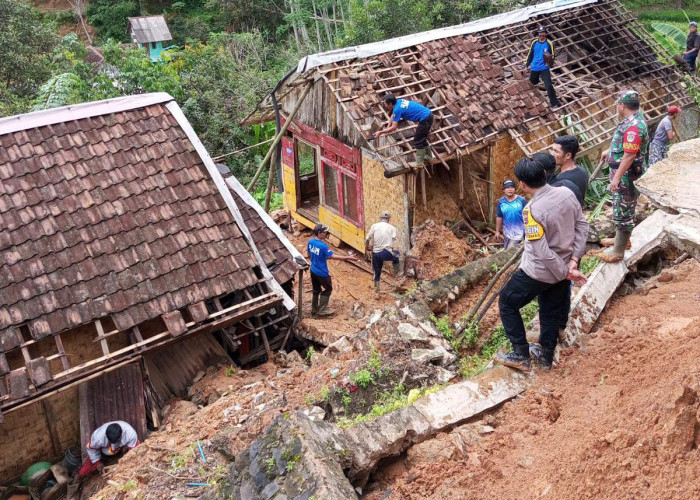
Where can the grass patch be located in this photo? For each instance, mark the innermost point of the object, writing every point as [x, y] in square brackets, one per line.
[588, 264]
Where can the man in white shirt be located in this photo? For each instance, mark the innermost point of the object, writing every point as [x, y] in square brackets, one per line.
[108, 439]
[383, 236]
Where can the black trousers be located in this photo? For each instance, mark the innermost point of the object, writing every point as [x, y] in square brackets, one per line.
[378, 260]
[420, 140]
[321, 284]
[547, 80]
[554, 300]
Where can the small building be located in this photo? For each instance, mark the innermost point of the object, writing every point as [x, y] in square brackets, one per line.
[151, 33]
[487, 114]
[128, 265]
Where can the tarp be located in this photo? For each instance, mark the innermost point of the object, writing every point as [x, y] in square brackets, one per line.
[497, 21]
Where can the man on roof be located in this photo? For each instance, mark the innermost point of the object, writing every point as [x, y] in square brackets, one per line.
[403, 109]
[540, 58]
[627, 157]
[107, 440]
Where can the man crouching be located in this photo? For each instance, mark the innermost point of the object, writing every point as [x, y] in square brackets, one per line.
[555, 238]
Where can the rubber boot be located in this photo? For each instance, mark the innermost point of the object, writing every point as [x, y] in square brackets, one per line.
[617, 252]
[314, 304]
[420, 158]
[608, 242]
[428, 153]
[323, 309]
[376, 287]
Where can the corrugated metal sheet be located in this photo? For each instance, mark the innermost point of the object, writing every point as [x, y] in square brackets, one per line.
[150, 29]
[116, 395]
[172, 369]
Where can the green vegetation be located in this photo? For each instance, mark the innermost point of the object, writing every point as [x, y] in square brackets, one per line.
[230, 371]
[309, 353]
[588, 264]
[444, 326]
[388, 402]
[362, 378]
[474, 364]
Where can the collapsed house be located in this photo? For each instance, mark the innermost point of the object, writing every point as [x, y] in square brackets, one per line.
[487, 114]
[129, 264]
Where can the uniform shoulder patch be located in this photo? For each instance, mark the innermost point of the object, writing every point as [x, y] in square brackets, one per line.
[533, 229]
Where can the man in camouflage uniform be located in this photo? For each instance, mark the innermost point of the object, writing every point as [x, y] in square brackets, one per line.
[628, 149]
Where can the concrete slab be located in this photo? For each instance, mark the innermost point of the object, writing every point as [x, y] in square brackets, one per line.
[684, 233]
[460, 402]
[672, 183]
[648, 235]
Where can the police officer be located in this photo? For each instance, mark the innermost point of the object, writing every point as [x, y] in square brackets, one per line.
[555, 239]
[627, 158]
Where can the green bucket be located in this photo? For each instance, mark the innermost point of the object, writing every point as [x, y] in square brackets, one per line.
[34, 470]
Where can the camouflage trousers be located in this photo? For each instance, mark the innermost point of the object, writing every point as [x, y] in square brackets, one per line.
[624, 202]
[657, 152]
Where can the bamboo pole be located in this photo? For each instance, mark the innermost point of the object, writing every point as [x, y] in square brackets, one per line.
[279, 136]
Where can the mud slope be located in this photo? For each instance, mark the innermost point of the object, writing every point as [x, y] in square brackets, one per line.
[618, 418]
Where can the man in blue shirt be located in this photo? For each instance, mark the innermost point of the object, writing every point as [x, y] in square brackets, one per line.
[318, 253]
[509, 216]
[403, 109]
[539, 59]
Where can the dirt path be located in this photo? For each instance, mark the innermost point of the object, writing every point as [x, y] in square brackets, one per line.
[618, 418]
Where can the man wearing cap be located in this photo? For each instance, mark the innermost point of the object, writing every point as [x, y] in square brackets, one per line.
[555, 240]
[403, 109]
[318, 253]
[658, 149]
[539, 60]
[509, 216]
[383, 236]
[627, 159]
[692, 46]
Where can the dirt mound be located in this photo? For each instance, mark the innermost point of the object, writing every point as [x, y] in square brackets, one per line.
[617, 418]
[438, 250]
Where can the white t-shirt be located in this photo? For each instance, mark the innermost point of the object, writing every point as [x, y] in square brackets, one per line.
[383, 235]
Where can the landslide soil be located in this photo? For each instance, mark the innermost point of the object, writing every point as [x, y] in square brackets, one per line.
[616, 418]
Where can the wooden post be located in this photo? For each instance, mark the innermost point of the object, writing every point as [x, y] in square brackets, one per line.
[461, 177]
[300, 289]
[50, 417]
[424, 195]
[279, 136]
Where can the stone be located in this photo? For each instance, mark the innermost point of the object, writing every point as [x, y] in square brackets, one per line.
[270, 490]
[314, 413]
[199, 376]
[417, 311]
[426, 356]
[684, 233]
[340, 346]
[357, 311]
[444, 376]
[441, 448]
[429, 328]
[411, 333]
[374, 317]
[318, 359]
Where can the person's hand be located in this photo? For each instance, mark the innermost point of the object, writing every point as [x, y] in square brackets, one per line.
[572, 265]
[371, 137]
[99, 466]
[615, 184]
[576, 276]
[498, 236]
[604, 154]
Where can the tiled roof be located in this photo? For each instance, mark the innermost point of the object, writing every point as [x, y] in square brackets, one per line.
[113, 214]
[275, 254]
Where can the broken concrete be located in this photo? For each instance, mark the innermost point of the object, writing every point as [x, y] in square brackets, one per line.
[300, 456]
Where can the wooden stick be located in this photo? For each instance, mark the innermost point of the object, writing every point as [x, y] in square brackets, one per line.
[597, 169]
[279, 136]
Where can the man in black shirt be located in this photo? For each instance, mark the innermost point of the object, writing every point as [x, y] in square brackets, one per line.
[564, 151]
[692, 46]
[547, 161]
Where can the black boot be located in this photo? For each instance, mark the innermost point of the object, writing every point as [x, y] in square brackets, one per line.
[518, 359]
[314, 304]
[542, 356]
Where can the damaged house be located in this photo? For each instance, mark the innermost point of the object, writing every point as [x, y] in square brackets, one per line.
[129, 264]
[487, 114]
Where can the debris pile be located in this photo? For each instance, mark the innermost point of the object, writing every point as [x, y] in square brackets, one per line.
[438, 251]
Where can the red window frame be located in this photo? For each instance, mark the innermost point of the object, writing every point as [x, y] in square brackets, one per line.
[345, 160]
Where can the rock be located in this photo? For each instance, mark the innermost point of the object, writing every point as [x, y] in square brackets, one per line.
[426, 356]
[681, 436]
[444, 376]
[526, 462]
[294, 457]
[224, 440]
[374, 317]
[318, 359]
[213, 398]
[258, 397]
[357, 311]
[417, 311]
[664, 277]
[314, 413]
[411, 333]
[340, 346]
[430, 329]
[486, 429]
[602, 227]
[292, 358]
[199, 376]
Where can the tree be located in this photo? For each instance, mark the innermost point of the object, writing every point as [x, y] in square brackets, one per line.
[78, 7]
[27, 42]
[110, 18]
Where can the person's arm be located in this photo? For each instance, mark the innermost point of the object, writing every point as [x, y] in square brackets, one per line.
[132, 438]
[631, 143]
[370, 235]
[580, 235]
[499, 227]
[389, 129]
[342, 257]
[671, 134]
[530, 55]
[94, 450]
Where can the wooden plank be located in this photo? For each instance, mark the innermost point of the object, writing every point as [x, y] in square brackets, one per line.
[101, 338]
[51, 419]
[61, 352]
